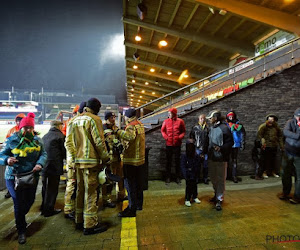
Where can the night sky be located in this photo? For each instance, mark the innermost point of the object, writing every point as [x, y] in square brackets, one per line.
[63, 45]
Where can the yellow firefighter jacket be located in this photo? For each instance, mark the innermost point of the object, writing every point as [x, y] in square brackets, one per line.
[85, 143]
[134, 153]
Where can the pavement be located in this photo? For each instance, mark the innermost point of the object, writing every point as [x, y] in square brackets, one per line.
[252, 218]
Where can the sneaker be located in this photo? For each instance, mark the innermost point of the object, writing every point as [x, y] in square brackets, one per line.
[197, 201]
[22, 238]
[95, 230]
[206, 181]
[51, 213]
[219, 205]
[79, 226]
[188, 203]
[275, 175]
[265, 176]
[70, 216]
[294, 201]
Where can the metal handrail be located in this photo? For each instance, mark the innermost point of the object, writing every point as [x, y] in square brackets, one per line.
[209, 86]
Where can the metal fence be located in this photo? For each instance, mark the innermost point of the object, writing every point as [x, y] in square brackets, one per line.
[257, 68]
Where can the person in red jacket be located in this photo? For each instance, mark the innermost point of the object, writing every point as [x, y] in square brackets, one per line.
[173, 131]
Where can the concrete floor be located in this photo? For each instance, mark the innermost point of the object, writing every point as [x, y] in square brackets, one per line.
[252, 218]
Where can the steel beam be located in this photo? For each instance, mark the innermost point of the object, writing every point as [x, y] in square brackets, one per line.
[257, 13]
[203, 37]
[208, 62]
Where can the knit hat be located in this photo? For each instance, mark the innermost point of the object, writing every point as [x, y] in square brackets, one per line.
[81, 107]
[231, 113]
[130, 112]
[173, 111]
[108, 114]
[75, 109]
[214, 113]
[297, 112]
[27, 121]
[94, 104]
[19, 117]
[271, 115]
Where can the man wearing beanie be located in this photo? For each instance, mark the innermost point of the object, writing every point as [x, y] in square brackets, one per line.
[291, 158]
[173, 131]
[270, 135]
[70, 193]
[115, 149]
[134, 159]
[86, 146]
[54, 145]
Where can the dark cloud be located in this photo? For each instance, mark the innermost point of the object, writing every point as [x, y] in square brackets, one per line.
[62, 45]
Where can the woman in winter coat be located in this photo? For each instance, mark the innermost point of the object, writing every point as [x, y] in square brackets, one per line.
[23, 152]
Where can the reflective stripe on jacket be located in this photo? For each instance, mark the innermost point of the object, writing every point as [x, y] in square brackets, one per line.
[85, 143]
[134, 153]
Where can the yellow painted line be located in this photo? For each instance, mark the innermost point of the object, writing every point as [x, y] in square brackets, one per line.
[128, 232]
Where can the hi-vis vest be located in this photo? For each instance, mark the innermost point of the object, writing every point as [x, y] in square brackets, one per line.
[134, 133]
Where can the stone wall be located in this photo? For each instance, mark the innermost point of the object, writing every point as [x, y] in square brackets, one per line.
[278, 94]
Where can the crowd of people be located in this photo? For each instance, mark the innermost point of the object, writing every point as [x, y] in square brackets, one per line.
[93, 152]
[214, 149]
[99, 155]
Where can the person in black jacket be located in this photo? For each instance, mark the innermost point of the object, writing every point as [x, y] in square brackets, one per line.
[54, 145]
[199, 134]
[220, 145]
[291, 158]
[190, 170]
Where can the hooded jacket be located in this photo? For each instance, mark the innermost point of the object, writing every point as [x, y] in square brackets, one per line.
[15, 128]
[24, 164]
[173, 131]
[87, 146]
[291, 132]
[200, 135]
[270, 136]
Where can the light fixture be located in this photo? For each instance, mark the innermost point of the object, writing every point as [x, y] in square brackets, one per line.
[139, 100]
[146, 83]
[132, 89]
[141, 96]
[135, 66]
[152, 70]
[143, 91]
[222, 12]
[131, 99]
[133, 80]
[186, 76]
[138, 38]
[169, 73]
[132, 95]
[162, 43]
[211, 10]
[156, 82]
[141, 11]
[153, 93]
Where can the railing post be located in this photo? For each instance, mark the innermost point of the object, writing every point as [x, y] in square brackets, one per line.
[264, 71]
[233, 80]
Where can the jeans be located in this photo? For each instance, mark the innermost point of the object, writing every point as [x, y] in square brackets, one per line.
[23, 200]
[288, 163]
[134, 184]
[170, 151]
[269, 159]
[204, 163]
[191, 189]
[218, 177]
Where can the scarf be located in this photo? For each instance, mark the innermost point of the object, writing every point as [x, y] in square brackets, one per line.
[235, 126]
[26, 145]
